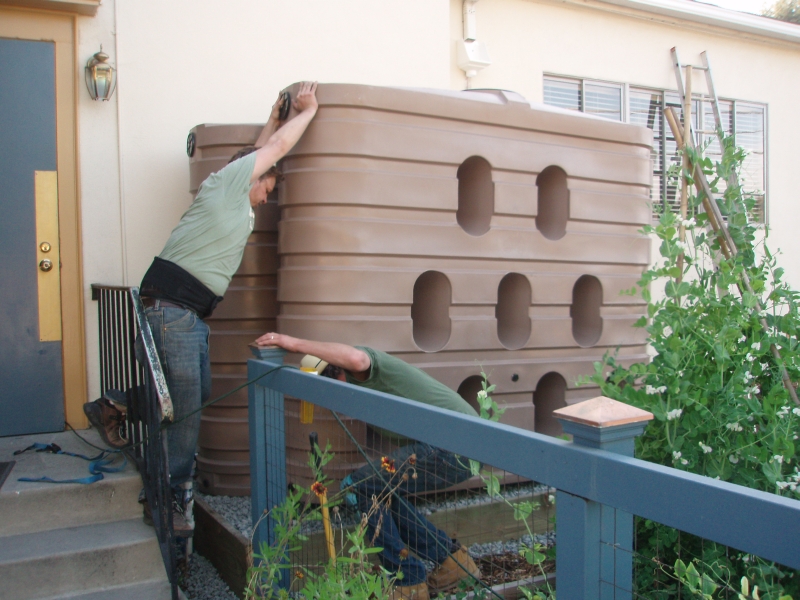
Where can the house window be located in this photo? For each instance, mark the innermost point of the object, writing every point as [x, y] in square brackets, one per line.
[641, 106]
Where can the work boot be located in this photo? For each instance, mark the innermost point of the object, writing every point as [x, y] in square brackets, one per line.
[109, 421]
[411, 592]
[456, 567]
[180, 525]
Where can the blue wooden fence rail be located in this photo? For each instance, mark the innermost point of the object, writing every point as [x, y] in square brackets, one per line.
[752, 521]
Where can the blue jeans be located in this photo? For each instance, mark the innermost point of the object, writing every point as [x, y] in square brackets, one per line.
[181, 339]
[401, 527]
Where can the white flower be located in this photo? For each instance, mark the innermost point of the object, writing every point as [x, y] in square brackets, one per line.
[667, 331]
[742, 339]
[782, 485]
[764, 365]
[748, 376]
[674, 414]
[676, 454]
[796, 411]
[750, 357]
[689, 223]
[650, 390]
[734, 426]
[705, 449]
[684, 461]
[682, 246]
[783, 411]
[551, 498]
[481, 394]
[733, 459]
[778, 346]
[756, 345]
[778, 458]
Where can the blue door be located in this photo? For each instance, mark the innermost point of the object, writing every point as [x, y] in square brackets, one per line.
[31, 387]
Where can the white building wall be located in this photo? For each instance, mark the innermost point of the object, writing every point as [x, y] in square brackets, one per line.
[530, 38]
[186, 62]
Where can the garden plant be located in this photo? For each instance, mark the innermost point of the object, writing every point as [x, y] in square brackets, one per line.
[714, 386]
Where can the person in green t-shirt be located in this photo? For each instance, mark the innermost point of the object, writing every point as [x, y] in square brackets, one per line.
[190, 276]
[396, 526]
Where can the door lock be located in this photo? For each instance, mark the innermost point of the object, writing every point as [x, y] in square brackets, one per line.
[46, 264]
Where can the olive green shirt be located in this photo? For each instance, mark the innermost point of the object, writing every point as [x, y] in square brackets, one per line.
[394, 376]
[209, 240]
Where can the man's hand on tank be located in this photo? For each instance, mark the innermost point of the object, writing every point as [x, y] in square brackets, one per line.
[306, 97]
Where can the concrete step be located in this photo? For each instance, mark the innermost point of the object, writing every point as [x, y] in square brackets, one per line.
[84, 559]
[146, 590]
[30, 507]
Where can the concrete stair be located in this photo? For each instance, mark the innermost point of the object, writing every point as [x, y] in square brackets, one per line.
[71, 540]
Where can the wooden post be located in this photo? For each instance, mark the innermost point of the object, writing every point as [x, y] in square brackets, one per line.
[685, 164]
[267, 453]
[594, 553]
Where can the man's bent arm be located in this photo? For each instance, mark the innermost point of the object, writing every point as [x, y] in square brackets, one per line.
[287, 136]
[341, 355]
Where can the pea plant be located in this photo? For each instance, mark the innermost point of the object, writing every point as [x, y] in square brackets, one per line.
[714, 386]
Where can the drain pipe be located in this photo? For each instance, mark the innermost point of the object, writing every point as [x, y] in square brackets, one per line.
[472, 54]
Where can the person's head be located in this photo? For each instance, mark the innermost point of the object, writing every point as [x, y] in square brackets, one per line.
[334, 372]
[262, 187]
[315, 364]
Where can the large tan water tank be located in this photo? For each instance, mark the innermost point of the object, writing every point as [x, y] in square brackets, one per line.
[467, 231]
[461, 231]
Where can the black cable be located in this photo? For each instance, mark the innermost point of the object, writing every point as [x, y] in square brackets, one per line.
[407, 505]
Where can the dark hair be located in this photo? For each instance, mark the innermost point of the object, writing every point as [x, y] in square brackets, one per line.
[332, 371]
[273, 171]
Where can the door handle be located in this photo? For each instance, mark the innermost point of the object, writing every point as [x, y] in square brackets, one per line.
[46, 264]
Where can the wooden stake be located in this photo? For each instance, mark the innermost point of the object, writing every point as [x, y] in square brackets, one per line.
[685, 166]
[726, 242]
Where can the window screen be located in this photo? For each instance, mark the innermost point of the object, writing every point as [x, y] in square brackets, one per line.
[646, 107]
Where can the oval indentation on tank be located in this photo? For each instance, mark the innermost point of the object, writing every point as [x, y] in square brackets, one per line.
[553, 206]
[469, 389]
[511, 311]
[430, 311]
[475, 195]
[550, 395]
[587, 298]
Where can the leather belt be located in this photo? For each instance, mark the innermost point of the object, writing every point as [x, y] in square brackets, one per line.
[149, 302]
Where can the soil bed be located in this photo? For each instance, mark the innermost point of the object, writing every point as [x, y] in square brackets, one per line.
[510, 567]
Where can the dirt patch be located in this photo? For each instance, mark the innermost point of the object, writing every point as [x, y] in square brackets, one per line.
[509, 567]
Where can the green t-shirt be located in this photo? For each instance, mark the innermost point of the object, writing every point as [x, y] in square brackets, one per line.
[394, 376]
[209, 240]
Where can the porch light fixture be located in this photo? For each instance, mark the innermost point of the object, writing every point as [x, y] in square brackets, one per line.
[101, 78]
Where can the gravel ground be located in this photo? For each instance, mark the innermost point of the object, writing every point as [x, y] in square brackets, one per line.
[202, 582]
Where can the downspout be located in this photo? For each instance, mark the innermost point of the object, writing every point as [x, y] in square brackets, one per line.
[472, 54]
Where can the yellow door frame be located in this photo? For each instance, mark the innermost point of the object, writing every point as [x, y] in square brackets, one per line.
[17, 23]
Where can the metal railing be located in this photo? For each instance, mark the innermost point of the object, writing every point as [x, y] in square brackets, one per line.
[595, 486]
[124, 334]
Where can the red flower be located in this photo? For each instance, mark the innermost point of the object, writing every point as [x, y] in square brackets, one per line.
[318, 488]
[387, 464]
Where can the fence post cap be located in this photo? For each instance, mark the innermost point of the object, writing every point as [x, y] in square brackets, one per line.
[602, 412]
[267, 352]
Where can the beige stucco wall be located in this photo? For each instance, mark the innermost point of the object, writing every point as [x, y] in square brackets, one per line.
[186, 62]
[530, 38]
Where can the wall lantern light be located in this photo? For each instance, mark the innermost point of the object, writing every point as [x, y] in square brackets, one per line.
[101, 78]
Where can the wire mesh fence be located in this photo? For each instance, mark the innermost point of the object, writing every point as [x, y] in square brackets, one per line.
[416, 501]
[502, 519]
